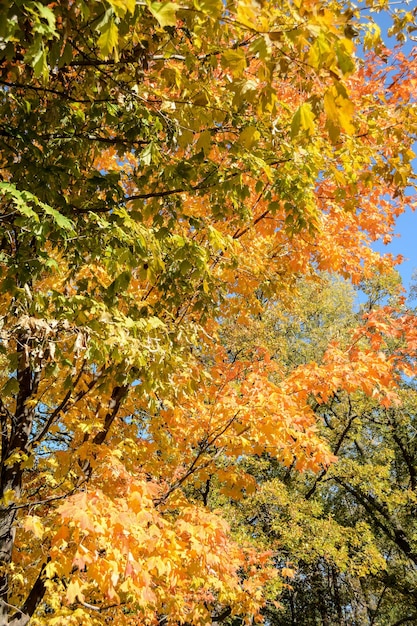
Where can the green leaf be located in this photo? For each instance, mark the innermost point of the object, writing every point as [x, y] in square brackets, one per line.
[164, 12]
[344, 57]
[185, 266]
[52, 264]
[120, 283]
[204, 142]
[234, 61]
[320, 52]
[261, 46]
[121, 6]
[66, 56]
[303, 120]
[213, 8]
[150, 154]
[22, 199]
[46, 14]
[249, 136]
[39, 64]
[109, 38]
[17, 196]
[11, 387]
[61, 221]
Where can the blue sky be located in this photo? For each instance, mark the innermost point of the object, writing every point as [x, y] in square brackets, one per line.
[405, 241]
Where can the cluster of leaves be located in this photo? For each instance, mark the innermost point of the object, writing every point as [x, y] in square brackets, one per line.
[346, 536]
[167, 169]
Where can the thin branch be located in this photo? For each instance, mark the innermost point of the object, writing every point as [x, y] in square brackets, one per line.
[336, 449]
[389, 526]
[86, 136]
[57, 92]
[62, 405]
[119, 393]
[205, 444]
[28, 505]
[99, 609]
[375, 611]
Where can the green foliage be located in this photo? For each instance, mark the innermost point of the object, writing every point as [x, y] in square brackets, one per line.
[168, 171]
[348, 533]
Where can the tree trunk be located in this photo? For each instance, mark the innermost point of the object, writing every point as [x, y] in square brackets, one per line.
[15, 438]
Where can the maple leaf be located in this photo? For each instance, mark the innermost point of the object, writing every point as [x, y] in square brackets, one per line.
[170, 173]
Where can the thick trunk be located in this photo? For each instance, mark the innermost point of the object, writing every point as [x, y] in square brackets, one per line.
[15, 438]
[7, 534]
[22, 617]
[16, 432]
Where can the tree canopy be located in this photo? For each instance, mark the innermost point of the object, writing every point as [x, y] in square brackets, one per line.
[346, 534]
[174, 179]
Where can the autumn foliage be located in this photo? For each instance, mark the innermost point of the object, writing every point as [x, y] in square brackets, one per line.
[170, 172]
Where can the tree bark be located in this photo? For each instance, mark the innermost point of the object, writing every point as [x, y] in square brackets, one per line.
[15, 438]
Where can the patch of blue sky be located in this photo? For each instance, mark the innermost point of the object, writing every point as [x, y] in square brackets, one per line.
[404, 241]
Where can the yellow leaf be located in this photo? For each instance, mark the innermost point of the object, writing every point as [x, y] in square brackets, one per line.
[204, 142]
[8, 496]
[346, 111]
[213, 8]
[121, 6]
[303, 120]
[108, 39]
[164, 12]
[339, 110]
[50, 570]
[235, 61]
[249, 136]
[74, 591]
[16, 457]
[33, 524]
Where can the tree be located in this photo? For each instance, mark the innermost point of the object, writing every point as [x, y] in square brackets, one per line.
[345, 535]
[164, 168]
